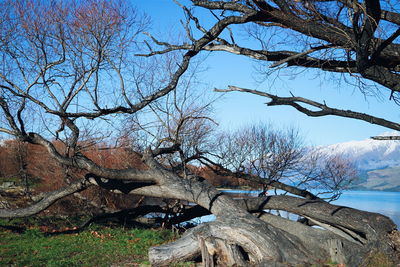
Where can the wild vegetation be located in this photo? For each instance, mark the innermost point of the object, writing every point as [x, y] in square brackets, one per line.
[98, 245]
[78, 77]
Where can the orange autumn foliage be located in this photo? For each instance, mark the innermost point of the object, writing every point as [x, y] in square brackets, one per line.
[48, 175]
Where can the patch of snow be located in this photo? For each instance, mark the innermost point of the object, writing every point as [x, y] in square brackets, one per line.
[368, 154]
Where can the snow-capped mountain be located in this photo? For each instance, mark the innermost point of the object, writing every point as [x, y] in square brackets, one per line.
[369, 154]
[378, 162]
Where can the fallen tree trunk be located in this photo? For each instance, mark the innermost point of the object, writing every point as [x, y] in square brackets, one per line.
[366, 225]
[348, 239]
[345, 235]
[282, 240]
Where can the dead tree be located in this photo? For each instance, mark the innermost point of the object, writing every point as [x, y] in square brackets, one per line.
[73, 65]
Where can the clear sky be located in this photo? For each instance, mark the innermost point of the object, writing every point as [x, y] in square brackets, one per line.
[238, 109]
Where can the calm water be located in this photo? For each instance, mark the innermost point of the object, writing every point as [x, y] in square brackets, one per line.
[386, 203]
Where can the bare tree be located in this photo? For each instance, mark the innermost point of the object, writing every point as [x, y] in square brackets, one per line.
[182, 119]
[356, 40]
[73, 65]
[278, 159]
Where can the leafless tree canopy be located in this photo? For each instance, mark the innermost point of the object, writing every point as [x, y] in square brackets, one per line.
[357, 39]
[72, 73]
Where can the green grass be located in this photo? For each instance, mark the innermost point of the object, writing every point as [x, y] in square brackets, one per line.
[96, 246]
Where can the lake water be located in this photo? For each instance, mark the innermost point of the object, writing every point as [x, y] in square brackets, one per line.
[386, 203]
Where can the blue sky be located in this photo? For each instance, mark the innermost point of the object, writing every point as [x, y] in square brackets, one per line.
[239, 109]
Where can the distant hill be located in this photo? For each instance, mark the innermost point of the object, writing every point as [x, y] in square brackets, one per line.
[387, 179]
[378, 162]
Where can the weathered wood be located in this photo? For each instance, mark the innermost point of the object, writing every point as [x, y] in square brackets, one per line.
[336, 251]
[47, 200]
[218, 252]
[368, 224]
[258, 243]
[206, 254]
[270, 240]
[183, 249]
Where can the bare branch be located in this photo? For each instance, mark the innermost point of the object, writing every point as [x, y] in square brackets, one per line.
[276, 64]
[385, 137]
[47, 200]
[221, 170]
[80, 161]
[324, 110]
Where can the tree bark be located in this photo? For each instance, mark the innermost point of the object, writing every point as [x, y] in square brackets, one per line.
[241, 237]
[348, 236]
[45, 201]
[237, 236]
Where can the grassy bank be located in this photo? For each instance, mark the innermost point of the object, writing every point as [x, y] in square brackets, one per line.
[95, 246]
